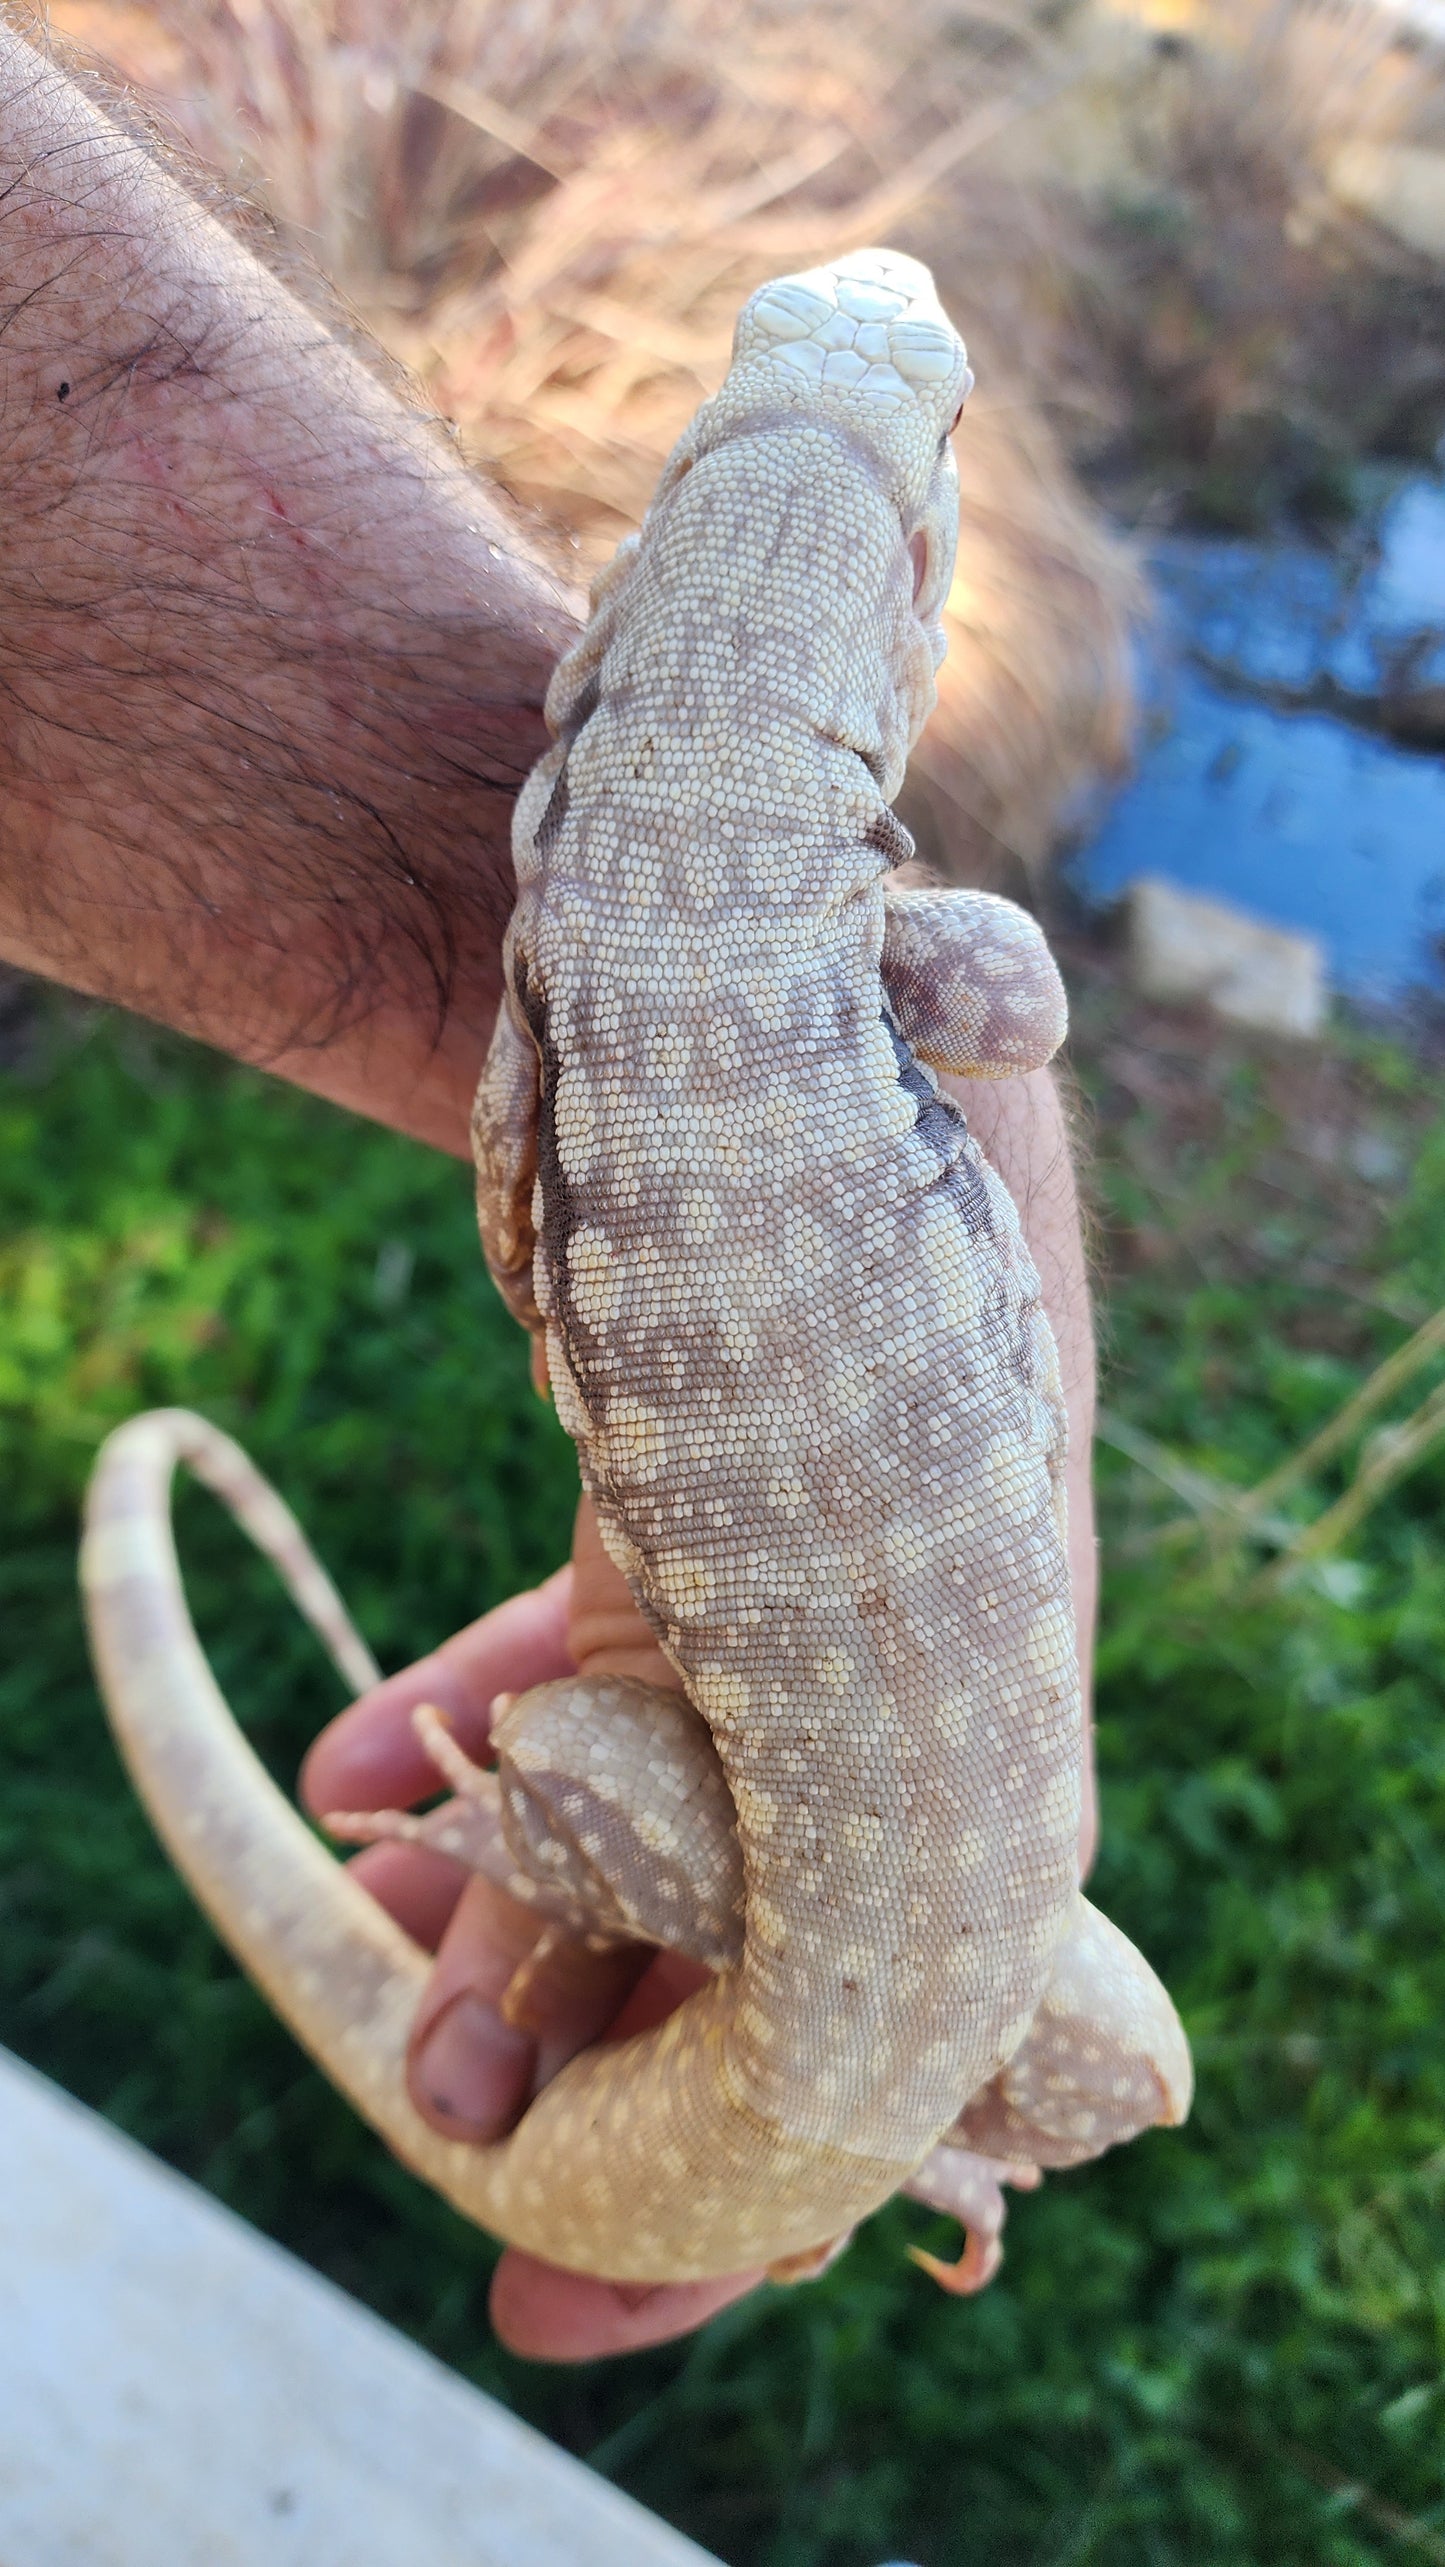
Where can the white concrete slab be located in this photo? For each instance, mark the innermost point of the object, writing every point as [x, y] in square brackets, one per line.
[175, 2391]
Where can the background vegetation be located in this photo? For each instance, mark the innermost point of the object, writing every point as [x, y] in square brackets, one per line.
[1221, 2345]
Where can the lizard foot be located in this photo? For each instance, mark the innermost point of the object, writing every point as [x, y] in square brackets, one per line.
[434, 1732]
[468, 1828]
[608, 1814]
[970, 2189]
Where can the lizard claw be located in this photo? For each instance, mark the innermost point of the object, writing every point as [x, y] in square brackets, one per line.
[970, 2189]
[974, 2270]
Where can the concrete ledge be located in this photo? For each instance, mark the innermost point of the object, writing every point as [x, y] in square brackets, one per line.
[1183, 946]
[175, 2391]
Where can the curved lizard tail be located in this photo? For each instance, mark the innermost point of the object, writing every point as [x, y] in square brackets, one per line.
[334, 1966]
[578, 2181]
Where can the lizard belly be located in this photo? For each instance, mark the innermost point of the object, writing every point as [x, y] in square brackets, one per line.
[816, 1404]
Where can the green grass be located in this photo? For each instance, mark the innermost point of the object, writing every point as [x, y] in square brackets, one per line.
[1224, 2345]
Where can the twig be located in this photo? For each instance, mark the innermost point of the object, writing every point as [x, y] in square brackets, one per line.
[1390, 1456]
[872, 217]
[1338, 1430]
[1412, 718]
[1201, 1493]
[1205, 1496]
[1361, 2499]
[476, 107]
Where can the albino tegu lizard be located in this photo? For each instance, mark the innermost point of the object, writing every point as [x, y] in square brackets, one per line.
[790, 1321]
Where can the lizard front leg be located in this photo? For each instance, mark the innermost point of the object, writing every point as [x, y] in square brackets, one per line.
[971, 982]
[504, 1147]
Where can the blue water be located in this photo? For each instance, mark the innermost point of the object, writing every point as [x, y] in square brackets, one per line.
[1297, 817]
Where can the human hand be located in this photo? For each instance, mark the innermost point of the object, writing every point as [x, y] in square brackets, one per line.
[472, 2072]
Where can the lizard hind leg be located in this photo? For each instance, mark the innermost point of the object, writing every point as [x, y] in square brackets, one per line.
[971, 982]
[613, 1799]
[969, 2187]
[1104, 2059]
[608, 1814]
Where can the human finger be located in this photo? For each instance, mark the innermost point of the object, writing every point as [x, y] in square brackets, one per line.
[470, 2071]
[606, 1631]
[547, 2315]
[508, 2001]
[418, 1888]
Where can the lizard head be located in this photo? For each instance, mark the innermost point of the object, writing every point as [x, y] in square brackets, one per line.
[866, 342]
[868, 334]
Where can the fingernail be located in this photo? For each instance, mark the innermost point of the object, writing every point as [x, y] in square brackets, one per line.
[473, 2071]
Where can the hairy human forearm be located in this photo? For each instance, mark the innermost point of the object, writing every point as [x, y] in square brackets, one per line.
[271, 661]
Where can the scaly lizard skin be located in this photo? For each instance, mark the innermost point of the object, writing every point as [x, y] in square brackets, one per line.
[790, 1321]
